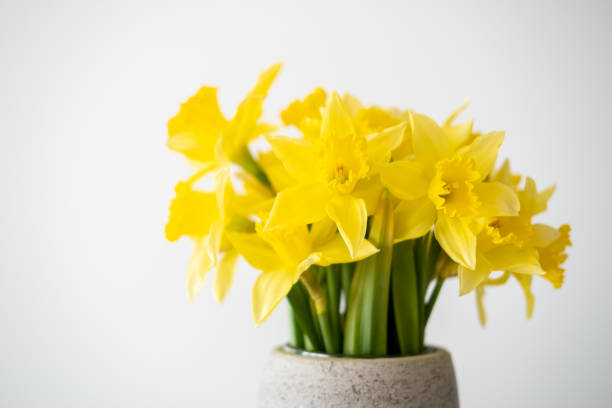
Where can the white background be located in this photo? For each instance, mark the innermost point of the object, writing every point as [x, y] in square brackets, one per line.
[93, 311]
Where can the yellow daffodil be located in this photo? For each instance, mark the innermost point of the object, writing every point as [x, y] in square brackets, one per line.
[203, 135]
[306, 116]
[520, 247]
[510, 242]
[203, 217]
[334, 175]
[283, 254]
[551, 257]
[298, 210]
[446, 186]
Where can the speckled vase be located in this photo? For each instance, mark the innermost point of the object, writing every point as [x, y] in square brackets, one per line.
[300, 379]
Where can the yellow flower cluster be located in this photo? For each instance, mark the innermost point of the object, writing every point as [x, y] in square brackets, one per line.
[307, 201]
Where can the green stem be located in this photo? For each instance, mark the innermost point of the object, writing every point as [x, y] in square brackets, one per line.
[248, 163]
[333, 302]
[296, 336]
[427, 255]
[311, 282]
[367, 314]
[406, 298]
[433, 297]
[332, 346]
[347, 271]
[300, 303]
[353, 321]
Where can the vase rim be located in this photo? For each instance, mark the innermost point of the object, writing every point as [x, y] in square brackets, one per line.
[430, 351]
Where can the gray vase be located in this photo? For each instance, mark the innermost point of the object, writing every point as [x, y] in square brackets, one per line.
[301, 379]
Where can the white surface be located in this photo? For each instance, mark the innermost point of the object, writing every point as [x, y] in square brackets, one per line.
[92, 304]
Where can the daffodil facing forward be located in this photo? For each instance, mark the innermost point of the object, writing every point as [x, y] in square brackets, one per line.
[335, 175]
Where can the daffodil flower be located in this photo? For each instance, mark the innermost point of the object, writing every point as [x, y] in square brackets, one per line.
[334, 174]
[204, 217]
[509, 243]
[203, 135]
[283, 254]
[517, 246]
[447, 187]
[551, 257]
[306, 116]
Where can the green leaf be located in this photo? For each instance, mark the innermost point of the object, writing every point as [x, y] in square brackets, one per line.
[406, 298]
[300, 303]
[368, 304]
[296, 335]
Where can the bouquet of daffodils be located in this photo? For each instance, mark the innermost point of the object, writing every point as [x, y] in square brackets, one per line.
[358, 219]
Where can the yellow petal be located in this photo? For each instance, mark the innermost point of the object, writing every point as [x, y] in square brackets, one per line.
[518, 260]
[369, 189]
[526, 269]
[195, 129]
[459, 135]
[265, 80]
[469, 279]
[484, 152]
[225, 274]
[404, 150]
[243, 126]
[456, 112]
[413, 219]
[300, 205]
[405, 179]
[544, 235]
[191, 212]
[534, 202]
[457, 239]
[214, 240]
[525, 282]
[337, 124]
[322, 231]
[270, 288]
[380, 145]
[224, 190]
[352, 104]
[277, 173]
[297, 155]
[497, 199]
[351, 216]
[429, 141]
[335, 251]
[199, 265]
[309, 108]
[542, 198]
[257, 198]
[254, 250]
